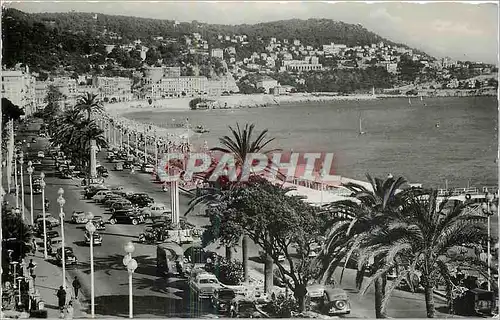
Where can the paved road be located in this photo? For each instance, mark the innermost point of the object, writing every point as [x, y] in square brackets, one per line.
[153, 296]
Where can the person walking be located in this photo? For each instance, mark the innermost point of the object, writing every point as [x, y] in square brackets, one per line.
[31, 268]
[76, 286]
[61, 296]
[34, 247]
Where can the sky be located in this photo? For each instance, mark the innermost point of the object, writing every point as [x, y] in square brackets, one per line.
[462, 31]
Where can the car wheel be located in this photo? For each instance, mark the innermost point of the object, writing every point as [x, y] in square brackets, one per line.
[135, 222]
[112, 221]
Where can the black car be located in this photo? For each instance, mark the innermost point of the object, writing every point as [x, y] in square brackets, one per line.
[102, 171]
[69, 256]
[126, 217]
[51, 234]
[37, 189]
[140, 199]
[92, 191]
[121, 207]
[221, 300]
[243, 308]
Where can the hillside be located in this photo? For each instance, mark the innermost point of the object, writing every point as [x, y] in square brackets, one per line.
[46, 41]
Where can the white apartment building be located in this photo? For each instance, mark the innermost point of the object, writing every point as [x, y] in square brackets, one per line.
[113, 89]
[308, 64]
[19, 87]
[217, 53]
[65, 85]
[267, 83]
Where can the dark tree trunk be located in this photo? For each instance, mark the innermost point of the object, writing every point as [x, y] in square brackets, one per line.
[229, 253]
[244, 245]
[300, 294]
[268, 274]
[429, 296]
[379, 295]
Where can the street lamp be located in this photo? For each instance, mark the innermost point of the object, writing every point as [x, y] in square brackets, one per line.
[131, 265]
[91, 229]
[42, 185]
[489, 208]
[61, 202]
[15, 179]
[21, 162]
[322, 175]
[30, 172]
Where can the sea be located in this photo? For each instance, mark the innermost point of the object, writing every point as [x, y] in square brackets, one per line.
[433, 141]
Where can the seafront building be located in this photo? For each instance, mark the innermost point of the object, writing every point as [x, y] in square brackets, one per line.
[18, 86]
[113, 89]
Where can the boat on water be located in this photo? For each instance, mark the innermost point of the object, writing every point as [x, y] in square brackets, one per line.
[201, 129]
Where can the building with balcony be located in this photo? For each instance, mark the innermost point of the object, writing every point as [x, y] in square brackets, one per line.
[113, 89]
[308, 64]
[217, 53]
[19, 87]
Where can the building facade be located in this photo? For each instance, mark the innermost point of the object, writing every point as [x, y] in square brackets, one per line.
[19, 87]
[113, 89]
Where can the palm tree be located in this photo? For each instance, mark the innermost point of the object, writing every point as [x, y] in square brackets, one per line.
[351, 223]
[241, 143]
[16, 235]
[422, 234]
[88, 103]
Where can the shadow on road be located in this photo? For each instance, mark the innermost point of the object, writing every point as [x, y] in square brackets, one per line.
[116, 305]
[146, 264]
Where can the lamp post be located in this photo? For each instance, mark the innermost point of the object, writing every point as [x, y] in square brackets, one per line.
[15, 178]
[30, 172]
[322, 175]
[14, 264]
[42, 185]
[21, 162]
[489, 208]
[91, 229]
[131, 265]
[61, 202]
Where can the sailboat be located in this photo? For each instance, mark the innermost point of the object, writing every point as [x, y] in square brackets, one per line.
[360, 126]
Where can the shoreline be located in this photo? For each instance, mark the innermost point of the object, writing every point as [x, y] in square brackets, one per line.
[241, 101]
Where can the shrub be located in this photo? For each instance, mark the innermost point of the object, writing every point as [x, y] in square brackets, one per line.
[228, 271]
[281, 306]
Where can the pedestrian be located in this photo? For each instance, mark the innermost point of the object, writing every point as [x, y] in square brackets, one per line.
[31, 268]
[34, 246]
[76, 286]
[61, 295]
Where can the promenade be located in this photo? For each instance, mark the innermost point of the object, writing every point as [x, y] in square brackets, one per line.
[154, 297]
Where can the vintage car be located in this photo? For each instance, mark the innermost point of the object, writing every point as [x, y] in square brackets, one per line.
[99, 223]
[118, 166]
[41, 154]
[122, 206]
[147, 168]
[100, 195]
[244, 308]
[53, 245]
[204, 284]
[127, 165]
[69, 256]
[157, 210]
[97, 238]
[48, 218]
[475, 302]
[140, 199]
[52, 234]
[335, 302]
[221, 300]
[102, 171]
[315, 291]
[126, 217]
[37, 188]
[79, 217]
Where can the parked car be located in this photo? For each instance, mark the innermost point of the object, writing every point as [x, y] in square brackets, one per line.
[97, 238]
[244, 308]
[41, 154]
[99, 223]
[100, 195]
[109, 198]
[33, 140]
[335, 302]
[37, 188]
[67, 174]
[118, 166]
[221, 300]
[79, 217]
[122, 206]
[127, 165]
[48, 218]
[52, 234]
[102, 171]
[147, 168]
[53, 245]
[126, 217]
[204, 284]
[69, 256]
[157, 210]
[140, 199]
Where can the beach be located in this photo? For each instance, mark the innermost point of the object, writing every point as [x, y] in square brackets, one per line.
[230, 102]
